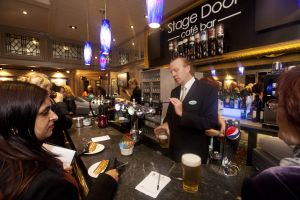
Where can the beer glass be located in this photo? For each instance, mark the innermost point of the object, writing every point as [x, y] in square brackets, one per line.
[191, 172]
[163, 139]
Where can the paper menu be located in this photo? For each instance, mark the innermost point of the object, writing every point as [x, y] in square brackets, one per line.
[100, 138]
[148, 186]
[64, 154]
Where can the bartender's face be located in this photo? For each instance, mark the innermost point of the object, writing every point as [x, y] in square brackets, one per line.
[180, 71]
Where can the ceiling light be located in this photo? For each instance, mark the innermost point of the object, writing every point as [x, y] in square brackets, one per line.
[1, 68]
[24, 12]
[96, 57]
[155, 12]
[68, 72]
[131, 27]
[32, 70]
[105, 36]
[73, 27]
[132, 44]
[87, 52]
[103, 62]
[146, 16]
[66, 48]
[114, 40]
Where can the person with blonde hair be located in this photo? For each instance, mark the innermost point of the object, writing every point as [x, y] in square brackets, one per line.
[136, 92]
[63, 123]
[69, 99]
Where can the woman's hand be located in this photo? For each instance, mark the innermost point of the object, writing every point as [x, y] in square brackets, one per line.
[113, 173]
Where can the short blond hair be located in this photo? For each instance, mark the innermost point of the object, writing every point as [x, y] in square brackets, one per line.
[132, 81]
[36, 78]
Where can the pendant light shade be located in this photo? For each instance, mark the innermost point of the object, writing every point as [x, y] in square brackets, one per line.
[155, 12]
[87, 53]
[105, 37]
[103, 61]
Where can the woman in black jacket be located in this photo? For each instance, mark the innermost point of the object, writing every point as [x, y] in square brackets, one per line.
[27, 170]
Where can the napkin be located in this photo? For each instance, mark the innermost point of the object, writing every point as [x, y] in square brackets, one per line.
[148, 186]
[64, 154]
[101, 138]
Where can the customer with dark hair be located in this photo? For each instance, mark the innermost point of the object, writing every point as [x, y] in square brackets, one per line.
[64, 122]
[27, 170]
[282, 182]
[136, 92]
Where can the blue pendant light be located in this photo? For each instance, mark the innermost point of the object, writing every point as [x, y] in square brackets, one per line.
[105, 36]
[103, 61]
[87, 53]
[155, 12]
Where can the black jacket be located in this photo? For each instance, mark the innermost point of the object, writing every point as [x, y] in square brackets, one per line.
[200, 112]
[136, 94]
[50, 185]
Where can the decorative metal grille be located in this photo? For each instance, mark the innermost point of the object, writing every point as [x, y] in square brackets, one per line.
[22, 45]
[67, 51]
[124, 58]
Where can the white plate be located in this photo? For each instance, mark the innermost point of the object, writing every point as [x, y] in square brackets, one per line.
[92, 169]
[98, 149]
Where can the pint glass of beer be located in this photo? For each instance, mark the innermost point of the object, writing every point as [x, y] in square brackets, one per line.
[163, 139]
[191, 172]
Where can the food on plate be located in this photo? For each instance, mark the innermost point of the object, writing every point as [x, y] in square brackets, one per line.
[92, 147]
[101, 167]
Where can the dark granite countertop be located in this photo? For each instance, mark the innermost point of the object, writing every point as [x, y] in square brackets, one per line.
[214, 185]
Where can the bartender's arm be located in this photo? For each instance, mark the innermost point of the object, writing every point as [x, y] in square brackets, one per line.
[161, 128]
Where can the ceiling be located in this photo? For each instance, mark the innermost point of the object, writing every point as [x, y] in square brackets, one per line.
[54, 17]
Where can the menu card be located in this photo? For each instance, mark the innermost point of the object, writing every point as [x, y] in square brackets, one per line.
[64, 154]
[149, 187]
[100, 138]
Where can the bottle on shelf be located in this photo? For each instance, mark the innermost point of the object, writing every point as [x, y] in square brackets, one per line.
[180, 49]
[198, 51]
[255, 109]
[171, 50]
[212, 41]
[185, 47]
[191, 51]
[262, 109]
[220, 38]
[204, 44]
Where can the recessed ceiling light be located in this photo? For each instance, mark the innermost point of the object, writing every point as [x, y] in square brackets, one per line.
[32, 70]
[146, 16]
[24, 12]
[131, 26]
[96, 57]
[73, 27]
[68, 72]
[114, 40]
[132, 44]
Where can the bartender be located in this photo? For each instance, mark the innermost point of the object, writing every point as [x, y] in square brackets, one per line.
[193, 109]
[136, 92]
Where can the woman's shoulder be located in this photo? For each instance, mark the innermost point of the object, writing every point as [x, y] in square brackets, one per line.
[50, 185]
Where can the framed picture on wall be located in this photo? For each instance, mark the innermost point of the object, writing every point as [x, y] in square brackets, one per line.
[59, 81]
[114, 86]
[123, 79]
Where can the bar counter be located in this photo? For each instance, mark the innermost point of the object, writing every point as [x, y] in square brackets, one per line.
[214, 185]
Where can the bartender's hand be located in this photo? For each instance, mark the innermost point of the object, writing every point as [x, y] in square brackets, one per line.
[162, 128]
[177, 106]
[113, 173]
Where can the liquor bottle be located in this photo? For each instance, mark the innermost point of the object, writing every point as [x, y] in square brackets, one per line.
[255, 109]
[191, 52]
[204, 45]
[142, 101]
[171, 50]
[220, 38]
[175, 51]
[212, 41]
[262, 109]
[180, 49]
[198, 51]
[185, 47]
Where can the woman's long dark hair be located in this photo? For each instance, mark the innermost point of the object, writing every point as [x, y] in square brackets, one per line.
[22, 157]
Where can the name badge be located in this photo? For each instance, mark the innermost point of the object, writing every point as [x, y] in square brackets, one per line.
[192, 102]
